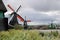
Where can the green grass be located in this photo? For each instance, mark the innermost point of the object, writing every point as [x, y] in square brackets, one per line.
[28, 35]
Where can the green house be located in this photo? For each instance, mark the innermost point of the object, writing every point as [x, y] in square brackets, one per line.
[2, 9]
[3, 20]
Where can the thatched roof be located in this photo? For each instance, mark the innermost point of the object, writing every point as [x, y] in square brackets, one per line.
[2, 6]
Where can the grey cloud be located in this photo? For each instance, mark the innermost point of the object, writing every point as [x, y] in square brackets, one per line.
[41, 5]
[13, 3]
[37, 17]
[45, 5]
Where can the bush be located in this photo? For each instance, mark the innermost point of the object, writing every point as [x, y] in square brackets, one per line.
[18, 27]
[19, 35]
[27, 35]
[55, 34]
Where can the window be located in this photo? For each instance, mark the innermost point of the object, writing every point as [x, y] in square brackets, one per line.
[1, 14]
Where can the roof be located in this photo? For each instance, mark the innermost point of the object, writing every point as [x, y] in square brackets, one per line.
[2, 6]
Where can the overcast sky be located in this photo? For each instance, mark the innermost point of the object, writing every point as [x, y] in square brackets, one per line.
[43, 11]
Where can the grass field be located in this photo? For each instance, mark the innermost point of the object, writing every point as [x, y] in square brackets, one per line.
[28, 35]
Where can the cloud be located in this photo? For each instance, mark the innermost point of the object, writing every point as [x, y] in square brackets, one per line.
[43, 11]
[45, 5]
[40, 5]
[36, 16]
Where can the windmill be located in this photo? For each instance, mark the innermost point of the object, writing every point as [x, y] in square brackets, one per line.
[14, 18]
[52, 25]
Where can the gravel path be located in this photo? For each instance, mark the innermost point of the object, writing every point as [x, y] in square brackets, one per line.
[48, 30]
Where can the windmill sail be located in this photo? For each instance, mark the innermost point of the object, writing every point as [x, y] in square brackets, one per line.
[14, 21]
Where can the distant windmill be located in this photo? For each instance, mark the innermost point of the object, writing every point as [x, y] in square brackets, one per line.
[52, 26]
[25, 23]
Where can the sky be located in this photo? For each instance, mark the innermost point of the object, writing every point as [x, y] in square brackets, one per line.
[41, 11]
